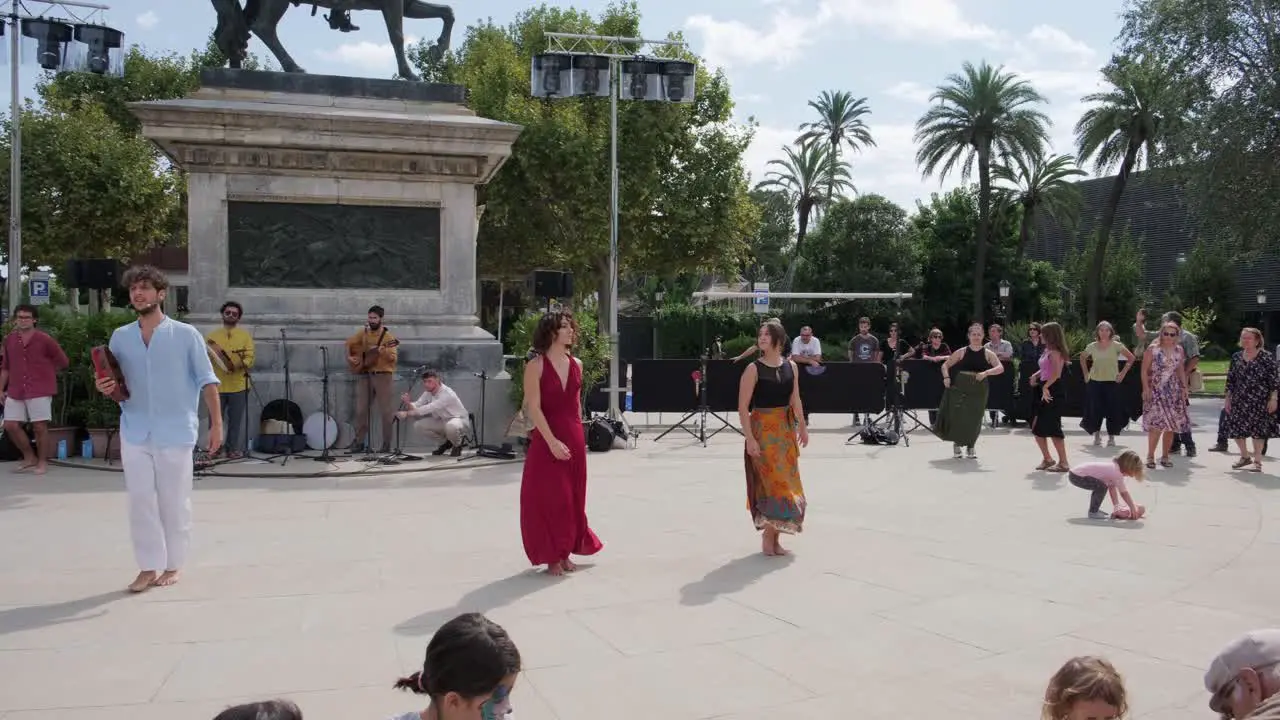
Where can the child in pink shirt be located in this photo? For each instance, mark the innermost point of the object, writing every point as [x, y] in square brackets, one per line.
[1107, 477]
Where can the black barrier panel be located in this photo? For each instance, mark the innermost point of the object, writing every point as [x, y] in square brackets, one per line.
[1074, 391]
[924, 386]
[723, 377]
[843, 387]
[598, 400]
[663, 385]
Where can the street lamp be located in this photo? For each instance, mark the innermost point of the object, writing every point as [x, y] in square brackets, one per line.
[1262, 297]
[54, 45]
[1005, 288]
[599, 65]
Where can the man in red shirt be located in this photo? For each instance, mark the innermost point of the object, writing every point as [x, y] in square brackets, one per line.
[28, 382]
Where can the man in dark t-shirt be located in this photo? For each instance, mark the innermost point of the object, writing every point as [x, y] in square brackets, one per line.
[864, 347]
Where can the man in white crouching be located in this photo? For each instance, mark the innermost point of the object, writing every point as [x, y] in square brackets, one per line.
[441, 414]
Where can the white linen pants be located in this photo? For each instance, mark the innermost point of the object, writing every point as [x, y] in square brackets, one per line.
[453, 429]
[158, 483]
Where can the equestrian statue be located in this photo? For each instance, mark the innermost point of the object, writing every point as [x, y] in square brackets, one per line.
[261, 17]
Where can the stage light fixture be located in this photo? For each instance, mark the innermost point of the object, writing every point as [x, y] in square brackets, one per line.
[639, 80]
[49, 39]
[590, 76]
[549, 76]
[97, 49]
[678, 80]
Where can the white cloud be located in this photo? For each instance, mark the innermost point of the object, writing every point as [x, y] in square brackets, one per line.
[147, 20]
[365, 56]
[1051, 40]
[907, 19]
[730, 43]
[912, 92]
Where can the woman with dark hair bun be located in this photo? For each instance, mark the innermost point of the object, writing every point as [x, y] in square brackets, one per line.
[468, 674]
[553, 488]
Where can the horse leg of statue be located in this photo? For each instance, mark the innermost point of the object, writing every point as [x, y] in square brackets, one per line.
[422, 10]
[264, 26]
[393, 14]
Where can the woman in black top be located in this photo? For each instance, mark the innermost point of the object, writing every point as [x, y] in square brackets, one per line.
[965, 395]
[771, 414]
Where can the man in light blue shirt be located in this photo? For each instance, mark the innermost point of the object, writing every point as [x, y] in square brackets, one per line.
[165, 368]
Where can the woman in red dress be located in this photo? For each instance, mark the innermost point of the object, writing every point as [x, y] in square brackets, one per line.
[553, 490]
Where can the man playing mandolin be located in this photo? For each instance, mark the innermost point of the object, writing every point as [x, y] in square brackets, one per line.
[233, 346]
[371, 357]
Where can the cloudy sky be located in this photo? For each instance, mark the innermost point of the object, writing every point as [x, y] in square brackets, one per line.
[778, 54]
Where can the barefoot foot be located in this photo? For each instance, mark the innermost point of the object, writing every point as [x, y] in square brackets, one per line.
[568, 565]
[144, 580]
[778, 549]
[767, 543]
[167, 578]
[555, 569]
[41, 469]
[25, 465]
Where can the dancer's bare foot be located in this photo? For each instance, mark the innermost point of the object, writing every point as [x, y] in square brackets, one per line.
[167, 578]
[555, 569]
[145, 579]
[568, 565]
[767, 543]
[41, 468]
[25, 465]
[777, 547]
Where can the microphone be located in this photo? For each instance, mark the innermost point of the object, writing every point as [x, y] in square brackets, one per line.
[282, 335]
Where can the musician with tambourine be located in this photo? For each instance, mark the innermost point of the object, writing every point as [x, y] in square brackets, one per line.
[232, 353]
[372, 357]
[158, 369]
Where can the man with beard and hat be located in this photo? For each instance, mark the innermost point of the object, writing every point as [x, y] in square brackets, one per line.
[165, 366]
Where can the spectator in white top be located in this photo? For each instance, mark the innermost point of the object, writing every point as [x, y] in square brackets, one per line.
[1003, 350]
[806, 349]
[442, 414]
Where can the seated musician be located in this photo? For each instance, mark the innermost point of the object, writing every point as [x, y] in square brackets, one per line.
[234, 345]
[442, 415]
[372, 357]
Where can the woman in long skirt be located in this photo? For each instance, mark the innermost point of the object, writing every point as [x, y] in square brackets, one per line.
[1164, 393]
[770, 410]
[1103, 378]
[1046, 401]
[964, 397]
[1251, 398]
[553, 489]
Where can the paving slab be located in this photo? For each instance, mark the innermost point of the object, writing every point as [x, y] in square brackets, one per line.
[980, 576]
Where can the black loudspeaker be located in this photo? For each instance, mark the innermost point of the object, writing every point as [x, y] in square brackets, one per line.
[95, 274]
[552, 284]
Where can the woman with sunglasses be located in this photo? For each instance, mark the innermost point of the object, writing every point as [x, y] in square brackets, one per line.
[1164, 393]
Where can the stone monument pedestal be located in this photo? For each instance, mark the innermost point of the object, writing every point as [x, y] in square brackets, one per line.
[312, 198]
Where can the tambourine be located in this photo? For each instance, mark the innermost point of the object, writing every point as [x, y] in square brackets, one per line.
[105, 365]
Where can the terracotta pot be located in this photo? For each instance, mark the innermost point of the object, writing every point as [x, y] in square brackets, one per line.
[106, 443]
[63, 433]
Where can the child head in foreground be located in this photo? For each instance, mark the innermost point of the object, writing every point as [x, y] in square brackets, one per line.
[469, 672]
[267, 710]
[1085, 688]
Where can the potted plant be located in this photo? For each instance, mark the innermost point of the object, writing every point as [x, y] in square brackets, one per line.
[59, 429]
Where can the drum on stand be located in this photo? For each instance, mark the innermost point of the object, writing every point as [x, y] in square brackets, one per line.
[318, 428]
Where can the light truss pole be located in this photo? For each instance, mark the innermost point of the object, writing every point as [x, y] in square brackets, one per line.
[14, 20]
[616, 49]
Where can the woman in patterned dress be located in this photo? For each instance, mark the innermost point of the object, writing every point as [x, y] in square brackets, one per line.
[1251, 398]
[1164, 393]
[770, 411]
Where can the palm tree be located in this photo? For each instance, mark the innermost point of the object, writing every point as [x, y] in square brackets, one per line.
[807, 175]
[840, 123]
[1124, 124]
[1038, 184]
[981, 111]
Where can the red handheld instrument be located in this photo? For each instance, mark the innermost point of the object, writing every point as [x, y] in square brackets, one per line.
[105, 366]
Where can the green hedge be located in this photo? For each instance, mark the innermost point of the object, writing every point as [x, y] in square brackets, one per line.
[592, 349]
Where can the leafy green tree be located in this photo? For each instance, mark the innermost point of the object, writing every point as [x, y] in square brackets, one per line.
[683, 192]
[766, 259]
[1223, 56]
[1122, 288]
[1124, 124]
[863, 245]
[806, 176]
[89, 188]
[981, 115]
[1207, 280]
[1037, 184]
[841, 123]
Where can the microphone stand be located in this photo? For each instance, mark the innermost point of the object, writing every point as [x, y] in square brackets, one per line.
[324, 410]
[288, 400]
[503, 452]
[398, 454]
[248, 447]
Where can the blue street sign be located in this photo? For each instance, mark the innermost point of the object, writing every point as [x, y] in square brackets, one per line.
[39, 287]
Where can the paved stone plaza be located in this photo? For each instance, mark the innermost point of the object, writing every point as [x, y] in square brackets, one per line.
[922, 584]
